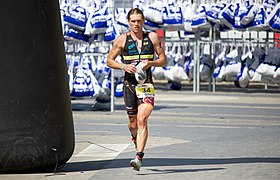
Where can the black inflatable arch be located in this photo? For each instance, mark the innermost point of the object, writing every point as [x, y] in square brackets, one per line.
[36, 123]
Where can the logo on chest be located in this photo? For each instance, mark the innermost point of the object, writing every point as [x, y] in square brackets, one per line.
[145, 43]
[131, 46]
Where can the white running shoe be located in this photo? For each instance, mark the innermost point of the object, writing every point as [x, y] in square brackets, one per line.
[136, 163]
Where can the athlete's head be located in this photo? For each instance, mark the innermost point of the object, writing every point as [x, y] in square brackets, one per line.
[135, 19]
[135, 11]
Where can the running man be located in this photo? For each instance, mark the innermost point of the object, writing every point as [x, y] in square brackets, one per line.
[137, 49]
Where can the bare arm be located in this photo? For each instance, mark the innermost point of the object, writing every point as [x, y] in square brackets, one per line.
[161, 61]
[114, 52]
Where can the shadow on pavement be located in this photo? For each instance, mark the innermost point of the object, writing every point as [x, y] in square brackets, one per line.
[155, 162]
[171, 171]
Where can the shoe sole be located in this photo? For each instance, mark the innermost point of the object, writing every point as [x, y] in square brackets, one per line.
[135, 167]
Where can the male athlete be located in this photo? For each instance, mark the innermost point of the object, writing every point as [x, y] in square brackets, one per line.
[137, 49]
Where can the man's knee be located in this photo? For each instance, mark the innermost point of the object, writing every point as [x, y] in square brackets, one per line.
[132, 119]
[141, 122]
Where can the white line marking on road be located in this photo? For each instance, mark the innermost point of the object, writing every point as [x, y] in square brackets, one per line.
[102, 151]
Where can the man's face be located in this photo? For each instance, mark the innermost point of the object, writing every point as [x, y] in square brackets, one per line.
[136, 22]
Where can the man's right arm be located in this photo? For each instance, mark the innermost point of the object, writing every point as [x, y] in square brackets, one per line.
[114, 52]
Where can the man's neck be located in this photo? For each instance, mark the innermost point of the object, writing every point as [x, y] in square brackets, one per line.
[137, 35]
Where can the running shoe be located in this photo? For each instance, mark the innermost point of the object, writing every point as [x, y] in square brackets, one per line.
[136, 163]
[133, 139]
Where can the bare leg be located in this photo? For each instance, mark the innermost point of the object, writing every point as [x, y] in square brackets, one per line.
[144, 111]
[132, 125]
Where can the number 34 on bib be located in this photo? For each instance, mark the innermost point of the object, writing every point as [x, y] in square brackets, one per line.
[145, 90]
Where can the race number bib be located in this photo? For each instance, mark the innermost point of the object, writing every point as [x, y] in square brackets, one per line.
[145, 90]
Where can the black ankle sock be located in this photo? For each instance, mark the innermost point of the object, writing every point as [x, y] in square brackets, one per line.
[134, 137]
[140, 154]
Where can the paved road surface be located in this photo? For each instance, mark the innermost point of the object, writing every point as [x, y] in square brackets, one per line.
[221, 135]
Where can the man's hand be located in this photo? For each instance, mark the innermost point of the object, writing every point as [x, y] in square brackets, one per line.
[130, 68]
[145, 64]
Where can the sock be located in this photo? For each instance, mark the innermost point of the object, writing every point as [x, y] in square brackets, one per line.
[140, 155]
[134, 137]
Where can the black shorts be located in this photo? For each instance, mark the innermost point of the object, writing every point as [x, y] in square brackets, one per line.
[131, 100]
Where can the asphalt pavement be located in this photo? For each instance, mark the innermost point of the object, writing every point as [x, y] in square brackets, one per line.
[232, 133]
